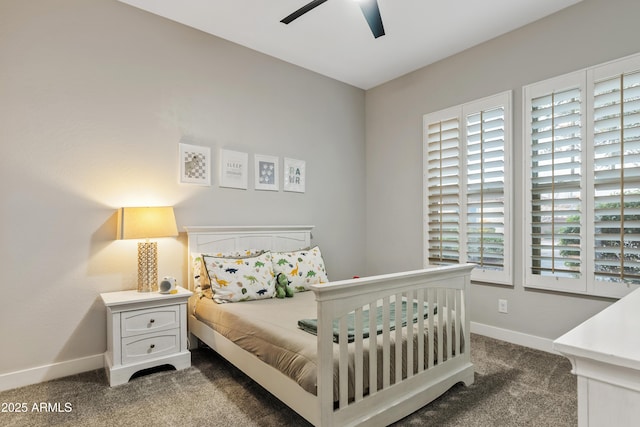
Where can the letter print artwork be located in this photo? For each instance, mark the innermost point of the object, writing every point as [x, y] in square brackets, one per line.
[233, 169]
[294, 175]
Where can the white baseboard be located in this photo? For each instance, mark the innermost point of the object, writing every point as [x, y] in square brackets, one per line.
[40, 374]
[526, 340]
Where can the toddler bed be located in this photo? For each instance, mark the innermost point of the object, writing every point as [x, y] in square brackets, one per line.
[420, 349]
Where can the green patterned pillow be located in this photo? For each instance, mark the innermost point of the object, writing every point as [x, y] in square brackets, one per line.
[303, 268]
[240, 279]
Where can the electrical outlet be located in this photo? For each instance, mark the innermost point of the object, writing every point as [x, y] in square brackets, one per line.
[502, 306]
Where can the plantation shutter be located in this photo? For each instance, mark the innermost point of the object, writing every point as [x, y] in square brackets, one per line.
[443, 186]
[555, 184]
[467, 195]
[616, 115]
[485, 137]
[583, 180]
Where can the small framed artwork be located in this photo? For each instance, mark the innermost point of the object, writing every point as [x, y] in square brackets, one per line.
[234, 169]
[294, 175]
[266, 173]
[195, 164]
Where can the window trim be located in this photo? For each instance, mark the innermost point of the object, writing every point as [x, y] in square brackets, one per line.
[460, 112]
[558, 84]
[586, 283]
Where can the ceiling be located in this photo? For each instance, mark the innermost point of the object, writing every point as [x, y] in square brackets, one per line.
[335, 40]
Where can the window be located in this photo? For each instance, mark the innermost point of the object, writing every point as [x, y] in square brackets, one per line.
[583, 180]
[556, 187]
[467, 190]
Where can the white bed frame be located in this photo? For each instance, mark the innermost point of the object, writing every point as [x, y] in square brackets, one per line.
[448, 287]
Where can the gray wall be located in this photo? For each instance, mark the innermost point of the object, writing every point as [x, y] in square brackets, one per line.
[95, 96]
[589, 33]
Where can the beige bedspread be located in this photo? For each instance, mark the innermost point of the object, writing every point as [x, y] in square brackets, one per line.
[268, 329]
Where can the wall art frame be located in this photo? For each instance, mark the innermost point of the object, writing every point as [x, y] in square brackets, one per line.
[295, 175]
[195, 164]
[234, 171]
[267, 172]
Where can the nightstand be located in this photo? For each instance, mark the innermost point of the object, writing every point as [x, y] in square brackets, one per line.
[145, 330]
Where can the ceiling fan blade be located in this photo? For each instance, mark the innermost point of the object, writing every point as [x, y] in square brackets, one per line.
[372, 14]
[304, 9]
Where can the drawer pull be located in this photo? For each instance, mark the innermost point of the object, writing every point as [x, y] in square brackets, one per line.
[152, 346]
[152, 321]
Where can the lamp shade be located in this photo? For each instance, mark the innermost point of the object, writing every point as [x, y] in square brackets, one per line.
[147, 222]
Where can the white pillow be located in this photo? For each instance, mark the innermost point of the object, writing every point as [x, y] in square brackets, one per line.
[303, 268]
[199, 273]
[240, 279]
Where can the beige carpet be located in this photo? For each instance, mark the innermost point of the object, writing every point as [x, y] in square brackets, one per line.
[514, 386]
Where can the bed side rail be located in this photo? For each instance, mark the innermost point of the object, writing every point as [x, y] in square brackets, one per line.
[433, 299]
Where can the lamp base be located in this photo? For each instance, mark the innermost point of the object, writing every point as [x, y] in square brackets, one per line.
[147, 267]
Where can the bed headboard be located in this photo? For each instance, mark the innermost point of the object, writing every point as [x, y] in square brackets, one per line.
[211, 239]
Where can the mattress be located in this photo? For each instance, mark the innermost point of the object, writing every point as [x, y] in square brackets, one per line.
[268, 329]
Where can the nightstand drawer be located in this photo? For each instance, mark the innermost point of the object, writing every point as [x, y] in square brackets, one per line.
[150, 320]
[143, 347]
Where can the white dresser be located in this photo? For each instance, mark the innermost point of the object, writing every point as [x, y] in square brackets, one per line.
[605, 354]
[145, 330]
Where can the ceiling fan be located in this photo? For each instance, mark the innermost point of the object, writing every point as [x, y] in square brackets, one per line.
[369, 9]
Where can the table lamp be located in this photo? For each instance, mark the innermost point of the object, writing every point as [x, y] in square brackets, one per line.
[146, 223]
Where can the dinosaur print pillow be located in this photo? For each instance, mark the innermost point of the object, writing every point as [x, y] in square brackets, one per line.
[198, 270]
[240, 279]
[303, 268]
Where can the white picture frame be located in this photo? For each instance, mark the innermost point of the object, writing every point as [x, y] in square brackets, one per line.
[267, 172]
[234, 169]
[195, 164]
[294, 175]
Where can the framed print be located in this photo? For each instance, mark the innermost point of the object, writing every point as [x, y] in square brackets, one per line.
[233, 169]
[195, 164]
[266, 173]
[294, 175]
